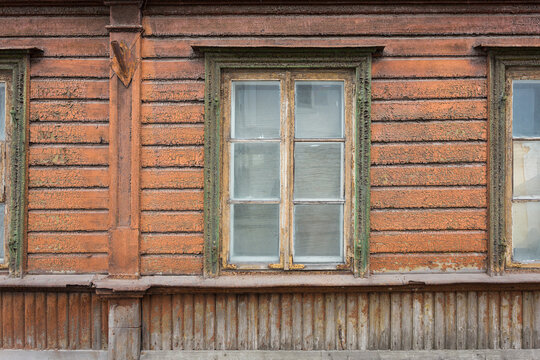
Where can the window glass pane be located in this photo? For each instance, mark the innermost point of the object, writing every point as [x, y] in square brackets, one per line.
[2, 111]
[318, 233]
[255, 232]
[526, 231]
[318, 171]
[526, 108]
[255, 171]
[255, 109]
[526, 167]
[319, 109]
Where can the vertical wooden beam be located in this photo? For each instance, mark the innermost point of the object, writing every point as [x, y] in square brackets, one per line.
[124, 123]
[124, 328]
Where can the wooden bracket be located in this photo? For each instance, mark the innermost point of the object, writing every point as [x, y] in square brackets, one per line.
[124, 63]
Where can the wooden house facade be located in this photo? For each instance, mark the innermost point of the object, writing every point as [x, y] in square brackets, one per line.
[126, 238]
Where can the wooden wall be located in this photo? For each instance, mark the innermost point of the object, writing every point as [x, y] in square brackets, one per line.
[68, 154]
[53, 320]
[342, 321]
[429, 112]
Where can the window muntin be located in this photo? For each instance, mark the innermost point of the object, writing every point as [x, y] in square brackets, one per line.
[524, 157]
[287, 192]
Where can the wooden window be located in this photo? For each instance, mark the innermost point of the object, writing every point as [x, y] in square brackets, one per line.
[287, 159]
[514, 164]
[287, 169]
[13, 143]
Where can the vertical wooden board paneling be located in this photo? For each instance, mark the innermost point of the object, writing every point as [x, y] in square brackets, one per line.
[286, 321]
[104, 324]
[264, 322]
[188, 322]
[1, 321]
[450, 320]
[517, 318]
[146, 322]
[166, 322]
[395, 315]
[528, 319]
[374, 315]
[352, 321]
[41, 321]
[330, 321]
[472, 320]
[536, 324]
[86, 321]
[406, 321]
[178, 322]
[63, 318]
[506, 320]
[221, 311]
[483, 320]
[18, 320]
[231, 321]
[341, 319]
[30, 320]
[96, 321]
[252, 338]
[318, 322]
[417, 321]
[198, 321]
[439, 317]
[429, 321]
[307, 322]
[363, 321]
[461, 320]
[494, 320]
[52, 322]
[297, 321]
[275, 322]
[242, 321]
[155, 322]
[384, 321]
[210, 322]
[7, 317]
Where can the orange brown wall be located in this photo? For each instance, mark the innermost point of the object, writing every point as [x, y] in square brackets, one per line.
[429, 125]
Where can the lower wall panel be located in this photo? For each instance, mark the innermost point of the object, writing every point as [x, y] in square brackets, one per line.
[53, 320]
[342, 321]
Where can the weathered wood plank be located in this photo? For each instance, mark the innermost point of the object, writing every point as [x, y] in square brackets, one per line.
[243, 322]
[528, 319]
[263, 321]
[395, 322]
[516, 319]
[483, 320]
[275, 322]
[418, 321]
[472, 320]
[461, 320]
[438, 316]
[384, 321]
[319, 322]
[494, 320]
[231, 339]
[30, 320]
[286, 322]
[221, 309]
[406, 321]
[297, 321]
[330, 320]
[188, 322]
[198, 321]
[166, 322]
[252, 324]
[52, 321]
[352, 322]
[18, 320]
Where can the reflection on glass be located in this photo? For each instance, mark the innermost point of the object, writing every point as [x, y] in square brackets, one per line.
[256, 171]
[256, 109]
[526, 168]
[255, 232]
[318, 171]
[318, 233]
[526, 231]
[319, 109]
[526, 108]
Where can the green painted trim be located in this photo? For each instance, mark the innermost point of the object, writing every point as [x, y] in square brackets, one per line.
[216, 59]
[500, 59]
[17, 62]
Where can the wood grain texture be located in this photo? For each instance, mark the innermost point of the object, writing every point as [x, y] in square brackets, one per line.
[394, 320]
[52, 320]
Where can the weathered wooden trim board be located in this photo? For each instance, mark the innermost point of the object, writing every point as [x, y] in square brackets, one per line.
[53, 354]
[342, 355]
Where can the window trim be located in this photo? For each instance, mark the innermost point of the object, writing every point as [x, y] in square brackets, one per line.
[217, 59]
[500, 61]
[17, 61]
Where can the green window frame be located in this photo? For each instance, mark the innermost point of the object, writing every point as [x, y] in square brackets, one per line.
[14, 68]
[218, 60]
[503, 63]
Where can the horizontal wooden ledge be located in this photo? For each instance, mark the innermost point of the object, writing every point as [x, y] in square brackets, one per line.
[259, 282]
